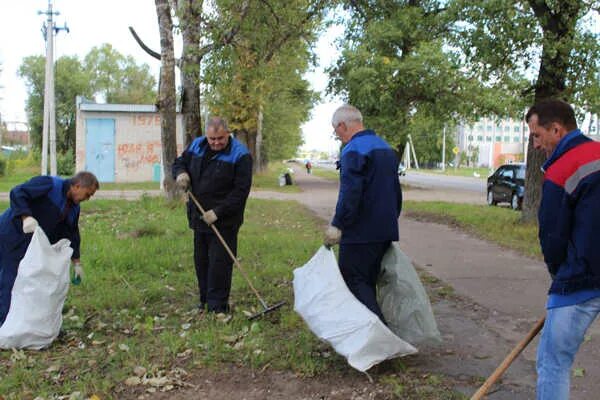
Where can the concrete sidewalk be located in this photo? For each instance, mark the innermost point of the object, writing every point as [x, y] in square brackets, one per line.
[501, 296]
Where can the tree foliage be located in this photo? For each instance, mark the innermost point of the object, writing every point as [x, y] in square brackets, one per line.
[399, 68]
[104, 73]
[547, 41]
[257, 83]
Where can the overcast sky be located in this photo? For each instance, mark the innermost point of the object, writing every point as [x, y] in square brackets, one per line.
[93, 23]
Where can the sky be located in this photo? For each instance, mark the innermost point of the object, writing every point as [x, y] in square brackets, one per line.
[92, 23]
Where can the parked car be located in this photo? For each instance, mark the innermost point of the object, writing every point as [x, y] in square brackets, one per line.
[401, 169]
[507, 185]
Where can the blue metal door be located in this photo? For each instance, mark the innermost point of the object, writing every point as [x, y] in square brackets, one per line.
[100, 148]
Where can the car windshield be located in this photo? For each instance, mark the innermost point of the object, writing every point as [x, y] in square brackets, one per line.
[521, 173]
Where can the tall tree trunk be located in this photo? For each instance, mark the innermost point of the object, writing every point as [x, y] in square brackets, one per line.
[258, 156]
[190, 16]
[166, 94]
[559, 31]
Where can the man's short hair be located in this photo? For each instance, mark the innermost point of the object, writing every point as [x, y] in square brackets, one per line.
[85, 179]
[217, 123]
[346, 114]
[553, 110]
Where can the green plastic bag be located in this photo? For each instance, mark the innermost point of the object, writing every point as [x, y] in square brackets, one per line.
[404, 301]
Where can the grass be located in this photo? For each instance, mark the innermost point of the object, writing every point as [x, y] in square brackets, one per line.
[269, 179]
[463, 171]
[496, 224]
[331, 174]
[135, 311]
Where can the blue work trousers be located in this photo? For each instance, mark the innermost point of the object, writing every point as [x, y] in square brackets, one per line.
[214, 267]
[9, 264]
[360, 265]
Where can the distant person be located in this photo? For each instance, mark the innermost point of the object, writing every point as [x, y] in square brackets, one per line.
[368, 207]
[569, 225]
[308, 167]
[51, 203]
[217, 169]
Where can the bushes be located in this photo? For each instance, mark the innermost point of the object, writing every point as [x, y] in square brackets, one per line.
[3, 166]
[65, 164]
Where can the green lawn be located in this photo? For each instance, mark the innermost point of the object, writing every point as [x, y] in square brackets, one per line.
[463, 171]
[269, 178]
[497, 224]
[331, 174]
[135, 309]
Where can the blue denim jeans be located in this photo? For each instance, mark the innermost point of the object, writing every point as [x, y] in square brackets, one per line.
[562, 335]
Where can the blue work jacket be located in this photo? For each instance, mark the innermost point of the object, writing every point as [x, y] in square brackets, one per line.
[569, 214]
[45, 199]
[370, 199]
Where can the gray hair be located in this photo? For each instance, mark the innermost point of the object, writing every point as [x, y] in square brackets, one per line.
[217, 123]
[346, 114]
[85, 179]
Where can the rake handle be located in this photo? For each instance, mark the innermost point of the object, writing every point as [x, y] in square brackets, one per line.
[228, 249]
[508, 360]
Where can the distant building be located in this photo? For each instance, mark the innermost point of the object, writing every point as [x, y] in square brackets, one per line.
[16, 135]
[497, 141]
[120, 142]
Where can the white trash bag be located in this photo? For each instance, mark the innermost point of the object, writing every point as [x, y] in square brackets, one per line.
[332, 313]
[35, 315]
[404, 301]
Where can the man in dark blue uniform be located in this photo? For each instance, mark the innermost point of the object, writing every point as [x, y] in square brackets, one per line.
[46, 201]
[217, 169]
[368, 206]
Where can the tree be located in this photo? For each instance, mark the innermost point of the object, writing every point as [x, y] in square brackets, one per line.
[258, 82]
[166, 95]
[541, 38]
[71, 80]
[399, 69]
[196, 28]
[117, 78]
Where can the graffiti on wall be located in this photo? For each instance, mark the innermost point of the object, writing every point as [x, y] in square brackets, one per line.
[134, 156]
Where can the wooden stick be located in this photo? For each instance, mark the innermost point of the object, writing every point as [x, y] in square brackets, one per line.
[508, 360]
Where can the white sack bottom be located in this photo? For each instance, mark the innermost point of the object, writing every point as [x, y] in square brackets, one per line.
[331, 311]
[35, 315]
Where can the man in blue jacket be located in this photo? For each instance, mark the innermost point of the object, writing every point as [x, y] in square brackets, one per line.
[569, 224]
[217, 169]
[368, 206]
[46, 201]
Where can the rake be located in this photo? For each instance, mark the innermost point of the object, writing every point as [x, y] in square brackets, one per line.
[266, 308]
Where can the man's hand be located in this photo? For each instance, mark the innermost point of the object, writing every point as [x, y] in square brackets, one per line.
[183, 181]
[29, 224]
[332, 236]
[210, 217]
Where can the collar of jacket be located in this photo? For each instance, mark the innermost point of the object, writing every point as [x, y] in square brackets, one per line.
[565, 144]
[366, 132]
[226, 150]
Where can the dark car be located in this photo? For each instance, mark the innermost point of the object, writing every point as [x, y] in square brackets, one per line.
[507, 185]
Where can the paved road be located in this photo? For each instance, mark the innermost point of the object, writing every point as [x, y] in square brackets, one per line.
[435, 181]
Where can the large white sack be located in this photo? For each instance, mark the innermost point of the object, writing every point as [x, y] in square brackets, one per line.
[404, 301]
[332, 313]
[35, 315]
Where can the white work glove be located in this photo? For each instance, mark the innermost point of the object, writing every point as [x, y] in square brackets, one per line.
[210, 217]
[183, 181]
[29, 224]
[332, 236]
[78, 271]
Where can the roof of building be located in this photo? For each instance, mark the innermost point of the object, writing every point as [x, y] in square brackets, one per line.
[136, 108]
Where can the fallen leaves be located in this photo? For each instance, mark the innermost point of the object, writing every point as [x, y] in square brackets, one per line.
[161, 381]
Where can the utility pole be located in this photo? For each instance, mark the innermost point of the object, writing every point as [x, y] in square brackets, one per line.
[444, 149]
[49, 128]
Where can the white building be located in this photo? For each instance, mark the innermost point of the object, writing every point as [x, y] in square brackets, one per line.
[498, 141]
